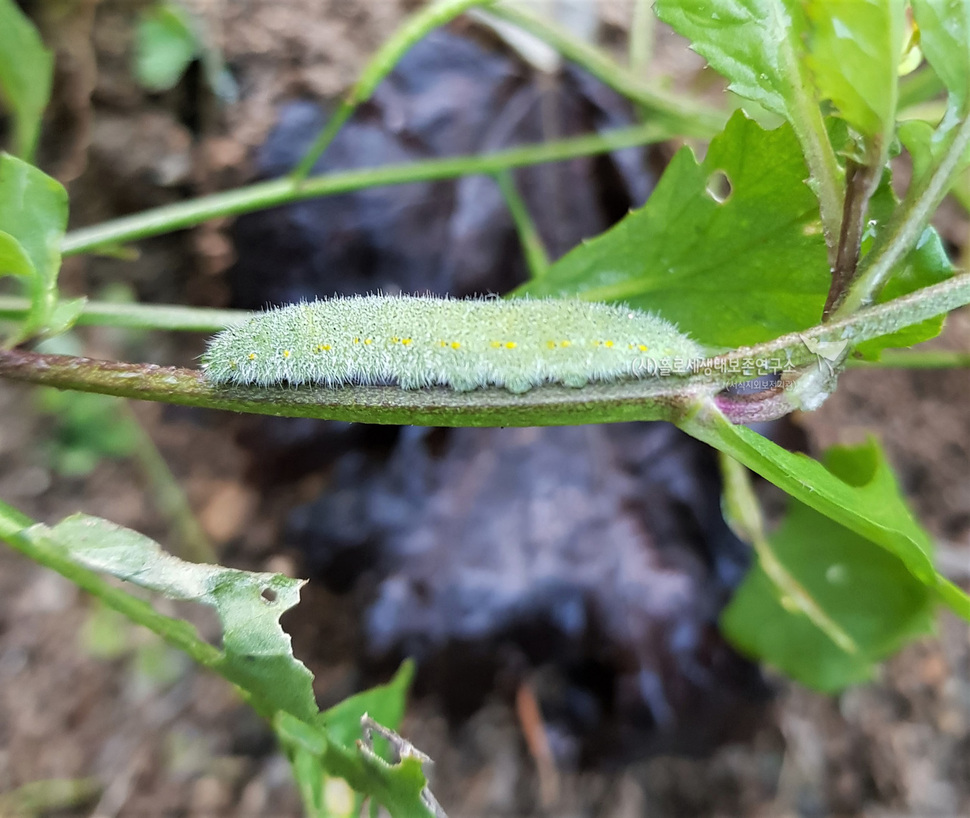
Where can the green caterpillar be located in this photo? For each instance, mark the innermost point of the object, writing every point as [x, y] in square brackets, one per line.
[419, 341]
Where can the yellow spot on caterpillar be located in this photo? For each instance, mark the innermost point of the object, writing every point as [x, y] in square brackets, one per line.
[455, 345]
[551, 344]
[395, 340]
[286, 353]
[368, 342]
[643, 348]
[323, 347]
[608, 344]
[356, 340]
[565, 344]
[442, 344]
[406, 341]
[252, 356]
[510, 344]
[496, 344]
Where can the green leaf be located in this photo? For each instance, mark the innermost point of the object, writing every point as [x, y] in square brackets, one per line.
[864, 591]
[944, 27]
[33, 212]
[732, 272]
[756, 44]
[860, 494]
[257, 655]
[13, 258]
[856, 47]
[822, 604]
[384, 703]
[64, 315]
[165, 44]
[918, 137]
[26, 70]
[256, 652]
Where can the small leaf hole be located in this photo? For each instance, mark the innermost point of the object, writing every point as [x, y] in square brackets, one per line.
[269, 595]
[719, 186]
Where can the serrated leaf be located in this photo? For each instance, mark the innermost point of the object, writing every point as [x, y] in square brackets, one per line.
[399, 786]
[854, 57]
[729, 273]
[756, 44]
[383, 703]
[257, 654]
[861, 495]
[26, 70]
[165, 44]
[944, 27]
[862, 589]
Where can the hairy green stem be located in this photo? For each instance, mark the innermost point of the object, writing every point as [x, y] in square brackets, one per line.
[653, 399]
[647, 399]
[283, 191]
[907, 359]
[908, 222]
[805, 117]
[380, 65]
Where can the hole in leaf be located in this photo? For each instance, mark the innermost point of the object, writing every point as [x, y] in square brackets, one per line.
[269, 595]
[719, 186]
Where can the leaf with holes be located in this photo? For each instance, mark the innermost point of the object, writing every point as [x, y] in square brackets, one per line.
[257, 655]
[730, 249]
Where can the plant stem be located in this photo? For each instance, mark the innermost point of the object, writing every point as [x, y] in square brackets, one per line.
[825, 175]
[167, 493]
[646, 399]
[689, 117]
[380, 65]
[535, 252]
[744, 511]
[861, 182]
[908, 222]
[136, 316]
[642, 28]
[905, 359]
[283, 191]
[654, 399]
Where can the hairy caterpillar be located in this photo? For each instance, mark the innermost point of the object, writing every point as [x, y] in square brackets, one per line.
[418, 341]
